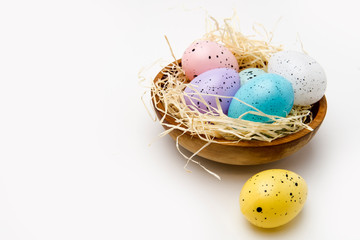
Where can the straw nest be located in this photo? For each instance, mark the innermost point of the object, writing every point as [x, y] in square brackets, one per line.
[208, 126]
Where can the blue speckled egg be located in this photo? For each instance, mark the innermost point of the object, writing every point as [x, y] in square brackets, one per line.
[270, 93]
[222, 82]
[249, 73]
[306, 75]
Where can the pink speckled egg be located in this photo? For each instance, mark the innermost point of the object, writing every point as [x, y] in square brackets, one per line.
[204, 55]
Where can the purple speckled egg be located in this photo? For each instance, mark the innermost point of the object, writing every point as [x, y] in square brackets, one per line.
[222, 82]
[205, 55]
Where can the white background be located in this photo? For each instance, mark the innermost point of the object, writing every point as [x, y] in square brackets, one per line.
[75, 161]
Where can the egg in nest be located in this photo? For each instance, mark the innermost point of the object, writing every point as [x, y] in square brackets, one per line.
[306, 75]
[204, 55]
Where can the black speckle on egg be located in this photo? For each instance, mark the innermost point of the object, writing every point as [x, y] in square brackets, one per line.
[259, 209]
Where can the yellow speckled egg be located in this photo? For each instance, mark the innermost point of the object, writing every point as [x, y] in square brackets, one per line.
[273, 197]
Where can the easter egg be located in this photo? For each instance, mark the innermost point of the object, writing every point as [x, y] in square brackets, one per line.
[204, 55]
[221, 83]
[306, 75]
[249, 73]
[270, 93]
[273, 197]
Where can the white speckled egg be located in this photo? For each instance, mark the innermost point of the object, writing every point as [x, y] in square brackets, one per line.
[273, 197]
[270, 93]
[221, 83]
[204, 55]
[249, 73]
[306, 75]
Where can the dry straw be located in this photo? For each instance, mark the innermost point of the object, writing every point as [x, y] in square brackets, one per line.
[208, 126]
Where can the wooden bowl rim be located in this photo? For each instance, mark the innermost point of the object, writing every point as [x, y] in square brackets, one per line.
[316, 122]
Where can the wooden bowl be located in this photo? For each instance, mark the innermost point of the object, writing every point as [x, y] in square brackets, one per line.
[251, 152]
